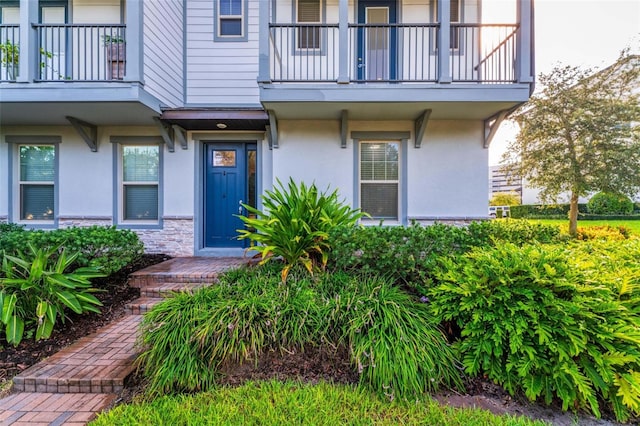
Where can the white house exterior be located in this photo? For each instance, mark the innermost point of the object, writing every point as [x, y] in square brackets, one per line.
[163, 115]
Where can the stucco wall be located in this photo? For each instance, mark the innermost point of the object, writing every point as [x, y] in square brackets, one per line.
[446, 177]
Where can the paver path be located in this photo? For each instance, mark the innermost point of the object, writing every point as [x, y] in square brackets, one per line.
[70, 387]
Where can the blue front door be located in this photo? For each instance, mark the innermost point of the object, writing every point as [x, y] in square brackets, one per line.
[226, 186]
[377, 40]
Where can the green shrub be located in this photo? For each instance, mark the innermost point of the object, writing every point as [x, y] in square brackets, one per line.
[107, 248]
[296, 225]
[404, 254]
[37, 288]
[606, 203]
[517, 232]
[532, 320]
[538, 211]
[408, 255]
[274, 404]
[394, 343]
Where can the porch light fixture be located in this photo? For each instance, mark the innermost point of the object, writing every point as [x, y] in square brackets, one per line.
[221, 126]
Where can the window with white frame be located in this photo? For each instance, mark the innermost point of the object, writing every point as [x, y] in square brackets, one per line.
[140, 180]
[310, 16]
[231, 18]
[36, 182]
[380, 179]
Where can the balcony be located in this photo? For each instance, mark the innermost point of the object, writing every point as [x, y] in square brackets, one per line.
[96, 72]
[366, 61]
[81, 52]
[392, 53]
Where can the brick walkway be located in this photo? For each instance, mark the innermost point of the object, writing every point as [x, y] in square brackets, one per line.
[70, 387]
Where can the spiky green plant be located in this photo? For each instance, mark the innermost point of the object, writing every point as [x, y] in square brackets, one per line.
[295, 225]
[36, 287]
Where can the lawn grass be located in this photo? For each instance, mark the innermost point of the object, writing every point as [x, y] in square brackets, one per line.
[292, 403]
[633, 225]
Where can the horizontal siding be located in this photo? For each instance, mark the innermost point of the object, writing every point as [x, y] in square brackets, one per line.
[164, 50]
[220, 72]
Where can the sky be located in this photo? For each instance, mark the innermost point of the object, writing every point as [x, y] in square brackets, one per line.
[585, 33]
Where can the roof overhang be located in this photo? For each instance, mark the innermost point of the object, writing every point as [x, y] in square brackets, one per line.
[247, 119]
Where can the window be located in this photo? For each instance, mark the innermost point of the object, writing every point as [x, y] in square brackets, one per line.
[308, 12]
[231, 20]
[140, 182]
[379, 179]
[454, 17]
[37, 176]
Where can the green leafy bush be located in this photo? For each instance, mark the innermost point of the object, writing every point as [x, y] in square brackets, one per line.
[108, 248]
[605, 203]
[538, 211]
[37, 288]
[532, 320]
[409, 254]
[295, 225]
[394, 343]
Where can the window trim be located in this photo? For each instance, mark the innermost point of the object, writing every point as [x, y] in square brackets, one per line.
[14, 193]
[244, 25]
[383, 136]
[118, 181]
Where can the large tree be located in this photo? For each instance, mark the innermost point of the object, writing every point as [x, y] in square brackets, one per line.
[581, 133]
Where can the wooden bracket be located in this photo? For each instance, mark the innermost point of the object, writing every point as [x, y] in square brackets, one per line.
[272, 130]
[344, 125]
[87, 131]
[165, 132]
[180, 135]
[491, 126]
[421, 127]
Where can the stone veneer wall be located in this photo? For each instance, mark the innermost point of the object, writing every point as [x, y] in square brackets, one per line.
[175, 238]
[4, 219]
[456, 221]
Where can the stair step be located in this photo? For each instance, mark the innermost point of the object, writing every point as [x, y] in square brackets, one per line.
[185, 270]
[163, 290]
[98, 363]
[141, 305]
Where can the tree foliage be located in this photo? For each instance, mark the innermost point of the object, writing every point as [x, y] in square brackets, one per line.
[581, 134]
[505, 199]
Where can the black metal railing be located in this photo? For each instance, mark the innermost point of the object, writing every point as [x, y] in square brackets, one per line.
[478, 53]
[9, 52]
[81, 52]
[393, 52]
[304, 52]
[499, 54]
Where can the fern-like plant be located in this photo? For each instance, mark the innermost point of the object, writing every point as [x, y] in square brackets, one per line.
[37, 286]
[295, 225]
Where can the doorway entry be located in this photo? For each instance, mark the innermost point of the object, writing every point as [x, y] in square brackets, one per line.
[377, 40]
[229, 181]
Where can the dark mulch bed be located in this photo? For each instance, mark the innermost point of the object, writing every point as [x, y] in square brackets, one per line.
[13, 360]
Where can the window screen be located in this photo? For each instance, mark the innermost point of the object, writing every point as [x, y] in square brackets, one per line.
[230, 18]
[140, 179]
[37, 181]
[379, 179]
[309, 13]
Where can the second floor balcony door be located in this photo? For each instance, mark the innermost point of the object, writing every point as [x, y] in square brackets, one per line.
[53, 41]
[377, 40]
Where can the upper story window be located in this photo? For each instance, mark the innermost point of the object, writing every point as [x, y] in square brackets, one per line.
[455, 16]
[36, 182]
[231, 20]
[309, 12]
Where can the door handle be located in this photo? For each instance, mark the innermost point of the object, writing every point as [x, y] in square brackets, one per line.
[240, 207]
